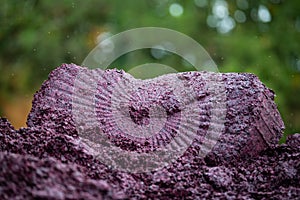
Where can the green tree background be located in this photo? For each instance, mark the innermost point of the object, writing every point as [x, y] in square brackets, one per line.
[261, 37]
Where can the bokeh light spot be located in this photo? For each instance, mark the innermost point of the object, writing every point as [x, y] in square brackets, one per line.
[212, 21]
[240, 16]
[176, 10]
[226, 25]
[220, 9]
[264, 14]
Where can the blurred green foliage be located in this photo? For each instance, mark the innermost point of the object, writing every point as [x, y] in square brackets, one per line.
[261, 37]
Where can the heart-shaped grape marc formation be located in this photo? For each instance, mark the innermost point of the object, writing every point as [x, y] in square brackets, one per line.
[150, 123]
[141, 125]
[143, 111]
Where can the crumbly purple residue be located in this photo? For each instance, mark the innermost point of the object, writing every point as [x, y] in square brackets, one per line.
[46, 161]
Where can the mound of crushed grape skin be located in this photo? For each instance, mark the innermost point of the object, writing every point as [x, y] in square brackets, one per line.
[41, 163]
[46, 161]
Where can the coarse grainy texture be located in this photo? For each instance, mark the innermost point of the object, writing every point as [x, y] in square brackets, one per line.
[28, 177]
[49, 160]
[251, 119]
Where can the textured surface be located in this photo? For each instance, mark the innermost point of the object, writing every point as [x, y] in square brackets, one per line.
[252, 122]
[275, 173]
[246, 163]
[27, 177]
